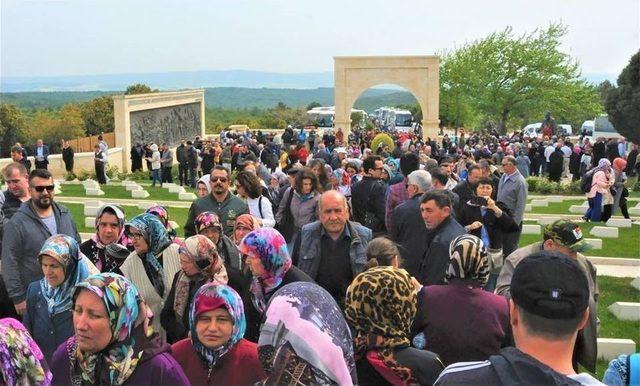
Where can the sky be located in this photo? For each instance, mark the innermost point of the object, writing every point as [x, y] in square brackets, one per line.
[87, 37]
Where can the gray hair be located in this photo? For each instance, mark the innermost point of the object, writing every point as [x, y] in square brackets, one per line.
[420, 178]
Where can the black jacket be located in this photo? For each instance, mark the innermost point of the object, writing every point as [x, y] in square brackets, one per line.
[495, 226]
[510, 367]
[465, 191]
[369, 195]
[410, 233]
[425, 367]
[436, 258]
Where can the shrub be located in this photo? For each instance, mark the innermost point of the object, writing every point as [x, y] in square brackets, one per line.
[112, 172]
[545, 186]
[70, 176]
[86, 174]
[636, 187]
[532, 182]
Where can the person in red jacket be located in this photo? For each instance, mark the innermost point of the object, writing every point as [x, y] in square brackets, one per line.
[216, 353]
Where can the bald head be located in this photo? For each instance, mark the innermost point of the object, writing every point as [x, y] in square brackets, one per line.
[333, 212]
[331, 196]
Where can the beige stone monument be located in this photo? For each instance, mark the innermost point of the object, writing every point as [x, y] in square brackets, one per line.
[158, 117]
[418, 74]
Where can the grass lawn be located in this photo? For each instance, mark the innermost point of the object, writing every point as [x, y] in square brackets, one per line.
[556, 207]
[179, 215]
[114, 191]
[626, 245]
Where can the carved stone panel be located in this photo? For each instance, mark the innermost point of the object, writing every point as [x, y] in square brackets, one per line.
[166, 124]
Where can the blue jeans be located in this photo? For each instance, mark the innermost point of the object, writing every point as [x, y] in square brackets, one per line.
[156, 177]
[595, 208]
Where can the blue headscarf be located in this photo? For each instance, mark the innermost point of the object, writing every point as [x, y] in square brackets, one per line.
[212, 296]
[156, 236]
[65, 251]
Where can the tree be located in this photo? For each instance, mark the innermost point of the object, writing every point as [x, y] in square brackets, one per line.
[623, 102]
[139, 88]
[503, 78]
[604, 89]
[313, 104]
[13, 128]
[98, 115]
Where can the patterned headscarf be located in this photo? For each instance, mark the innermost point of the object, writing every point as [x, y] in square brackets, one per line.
[206, 220]
[468, 259]
[344, 179]
[65, 251]
[247, 221]
[21, 360]
[121, 356]
[122, 238]
[380, 306]
[396, 167]
[603, 165]
[305, 340]
[163, 215]
[204, 255]
[209, 297]
[156, 236]
[270, 247]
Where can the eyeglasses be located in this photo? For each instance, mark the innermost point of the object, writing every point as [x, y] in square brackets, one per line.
[136, 236]
[221, 179]
[41, 189]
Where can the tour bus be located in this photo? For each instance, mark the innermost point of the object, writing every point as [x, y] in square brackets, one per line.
[599, 127]
[325, 116]
[401, 120]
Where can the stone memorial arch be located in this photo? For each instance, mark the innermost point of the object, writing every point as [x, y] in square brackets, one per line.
[162, 117]
[418, 74]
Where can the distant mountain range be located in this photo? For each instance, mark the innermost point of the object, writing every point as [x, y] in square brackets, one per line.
[188, 79]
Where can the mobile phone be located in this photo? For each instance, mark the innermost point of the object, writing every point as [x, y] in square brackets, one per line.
[478, 201]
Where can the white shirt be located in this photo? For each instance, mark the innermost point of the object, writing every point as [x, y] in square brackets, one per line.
[548, 151]
[255, 204]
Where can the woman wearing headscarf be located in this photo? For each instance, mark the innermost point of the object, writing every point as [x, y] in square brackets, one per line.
[445, 312]
[268, 259]
[203, 188]
[574, 163]
[21, 361]
[599, 194]
[109, 226]
[298, 205]
[209, 225]
[153, 264]
[244, 224]
[305, 340]
[199, 264]
[621, 192]
[341, 181]
[163, 215]
[215, 353]
[394, 171]
[48, 313]
[114, 343]
[380, 306]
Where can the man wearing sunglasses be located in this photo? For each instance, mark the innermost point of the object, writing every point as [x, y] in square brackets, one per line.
[37, 219]
[221, 202]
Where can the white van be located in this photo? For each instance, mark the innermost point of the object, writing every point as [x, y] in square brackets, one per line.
[599, 127]
[532, 130]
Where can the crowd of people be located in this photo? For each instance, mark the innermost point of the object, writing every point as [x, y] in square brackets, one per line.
[313, 259]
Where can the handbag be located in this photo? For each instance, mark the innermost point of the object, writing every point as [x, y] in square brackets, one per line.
[286, 225]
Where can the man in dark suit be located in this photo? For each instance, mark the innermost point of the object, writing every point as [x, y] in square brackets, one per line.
[408, 229]
[41, 155]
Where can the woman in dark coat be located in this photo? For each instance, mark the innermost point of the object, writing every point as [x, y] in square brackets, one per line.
[555, 165]
[574, 163]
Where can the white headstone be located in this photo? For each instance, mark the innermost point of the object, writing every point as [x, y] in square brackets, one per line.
[578, 209]
[527, 208]
[635, 211]
[184, 196]
[554, 198]
[611, 348]
[531, 229]
[139, 193]
[635, 283]
[619, 222]
[94, 192]
[595, 243]
[133, 187]
[609, 232]
[540, 202]
[90, 222]
[91, 210]
[626, 310]
[176, 189]
[146, 205]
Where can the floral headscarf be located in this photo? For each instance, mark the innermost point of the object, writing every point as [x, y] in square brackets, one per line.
[305, 340]
[209, 297]
[156, 236]
[380, 306]
[65, 251]
[247, 221]
[122, 238]
[121, 356]
[21, 360]
[203, 253]
[163, 215]
[206, 220]
[468, 259]
[270, 247]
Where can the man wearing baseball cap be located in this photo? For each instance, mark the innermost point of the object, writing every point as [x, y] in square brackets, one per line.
[549, 305]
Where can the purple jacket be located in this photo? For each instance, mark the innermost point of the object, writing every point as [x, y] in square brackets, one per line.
[159, 368]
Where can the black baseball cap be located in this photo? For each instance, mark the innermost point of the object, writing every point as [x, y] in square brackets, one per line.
[551, 285]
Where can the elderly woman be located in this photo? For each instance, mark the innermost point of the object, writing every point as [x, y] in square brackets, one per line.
[209, 225]
[21, 361]
[380, 307]
[599, 194]
[445, 312]
[341, 181]
[248, 188]
[215, 353]
[109, 230]
[114, 343]
[163, 215]
[305, 340]
[153, 264]
[268, 259]
[48, 313]
[199, 264]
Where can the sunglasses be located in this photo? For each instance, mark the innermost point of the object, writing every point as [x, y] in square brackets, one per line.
[221, 179]
[41, 189]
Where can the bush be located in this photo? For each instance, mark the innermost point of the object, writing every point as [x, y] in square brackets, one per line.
[636, 187]
[112, 172]
[532, 182]
[70, 176]
[545, 186]
[86, 174]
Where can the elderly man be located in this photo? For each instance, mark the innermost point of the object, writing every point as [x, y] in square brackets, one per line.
[221, 202]
[333, 250]
[41, 155]
[109, 230]
[17, 179]
[435, 208]
[566, 237]
[512, 192]
[408, 230]
[35, 221]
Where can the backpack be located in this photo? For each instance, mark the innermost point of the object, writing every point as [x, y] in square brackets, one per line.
[586, 182]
